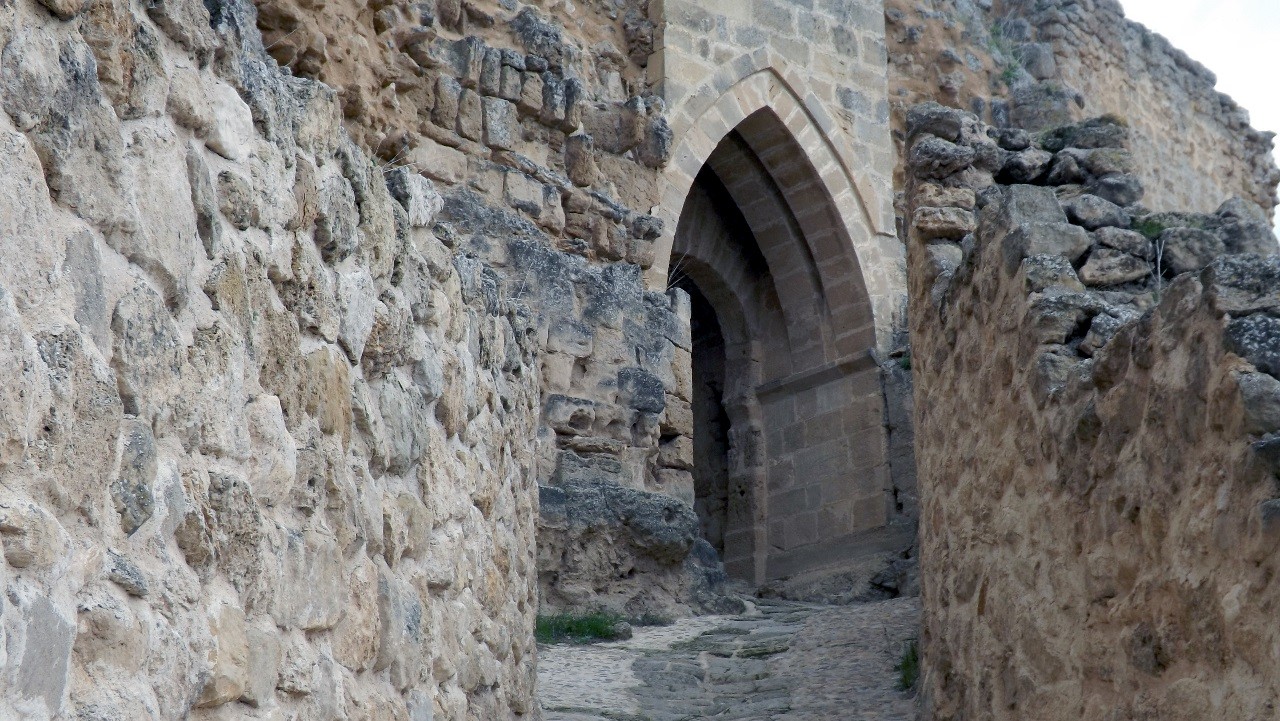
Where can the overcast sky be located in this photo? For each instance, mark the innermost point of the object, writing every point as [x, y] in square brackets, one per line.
[1239, 40]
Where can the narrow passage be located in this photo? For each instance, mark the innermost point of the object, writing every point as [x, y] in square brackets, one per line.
[781, 661]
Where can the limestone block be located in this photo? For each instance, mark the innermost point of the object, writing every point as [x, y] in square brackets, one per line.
[1016, 206]
[1189, 249]
[531, 92]
[557, 372]
[65, 9]
[132, 489]
[229, 132]
[32, 537]
[448, 99]
[311, 567]
[501, 124]
[263, 668]
[677, 419]
[942, 223]
[356, 298]
[571, 338]
[933, 157]
[125, 574]
[935, 119]
[1069, 241]
[236, 200]
[676, 453]
[1256, 338]
[490, 72]
[510, 86]
[336, 218]
[417, 195]
[580, 160]
[568, 415]
[1243, 284]
[1121, 189]
[1245, 228]
[470, 115]
[440, 162]
[356, 637]
[523, 193]
[401, 617]
[641, 390]
[273, 459]
[1126, 241]
[40, 672]
[1093, 212]
[204, 200]
[1112, 267]
[1025, 166]
[229, 657]
[1261, 395]
[937, 196]
[676, 483]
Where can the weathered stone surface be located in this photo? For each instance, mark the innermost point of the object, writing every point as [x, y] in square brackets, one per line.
[1112, 267]
[1260, 394]
[935, 119]
[1243, 284]
[943, 223]
[1126, 241]
[1184, 250]
[1094, 405]
[1068, 241]
[1256, 338]
[934, 157]
[1025, 166]
[1093, 213]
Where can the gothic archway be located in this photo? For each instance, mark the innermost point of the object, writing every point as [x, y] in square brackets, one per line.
[789, 440]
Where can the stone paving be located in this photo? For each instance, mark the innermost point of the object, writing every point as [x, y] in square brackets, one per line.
[780, 661]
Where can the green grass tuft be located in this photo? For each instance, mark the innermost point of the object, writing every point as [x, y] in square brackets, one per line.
[909, 667]
[1149, 228]
[575, 628]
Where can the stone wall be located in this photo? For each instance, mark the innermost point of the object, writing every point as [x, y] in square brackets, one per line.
[267, 437]
[1096, 433]
[564, 138]
[1037, 64]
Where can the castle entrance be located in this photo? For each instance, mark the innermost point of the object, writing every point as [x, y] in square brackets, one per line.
[789, 443]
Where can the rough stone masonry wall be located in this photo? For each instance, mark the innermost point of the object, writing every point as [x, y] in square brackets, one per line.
[1098, 418]
[537, 123]
[266, 438]
[1035, 64]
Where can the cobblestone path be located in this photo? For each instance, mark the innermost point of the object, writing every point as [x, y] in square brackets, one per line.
[783, 661]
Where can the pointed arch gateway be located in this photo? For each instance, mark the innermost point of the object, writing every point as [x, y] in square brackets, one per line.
[768, 235]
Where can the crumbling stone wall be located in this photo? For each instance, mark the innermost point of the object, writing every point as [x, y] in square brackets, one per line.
[1037, 64]
[267, 438]
[1097, 428]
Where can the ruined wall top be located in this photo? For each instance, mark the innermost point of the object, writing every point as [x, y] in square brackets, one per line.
[1036, 65]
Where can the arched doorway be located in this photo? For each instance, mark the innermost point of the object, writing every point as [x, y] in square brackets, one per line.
[789, 443]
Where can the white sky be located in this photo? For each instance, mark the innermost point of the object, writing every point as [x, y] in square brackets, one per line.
[1239, 40]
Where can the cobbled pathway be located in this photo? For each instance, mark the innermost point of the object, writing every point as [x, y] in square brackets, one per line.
[781, 661]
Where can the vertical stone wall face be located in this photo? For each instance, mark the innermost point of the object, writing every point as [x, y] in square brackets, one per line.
[1035, 64]
[267, 438]
[1096, 418]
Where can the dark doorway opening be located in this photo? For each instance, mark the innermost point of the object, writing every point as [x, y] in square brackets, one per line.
[710, 419]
